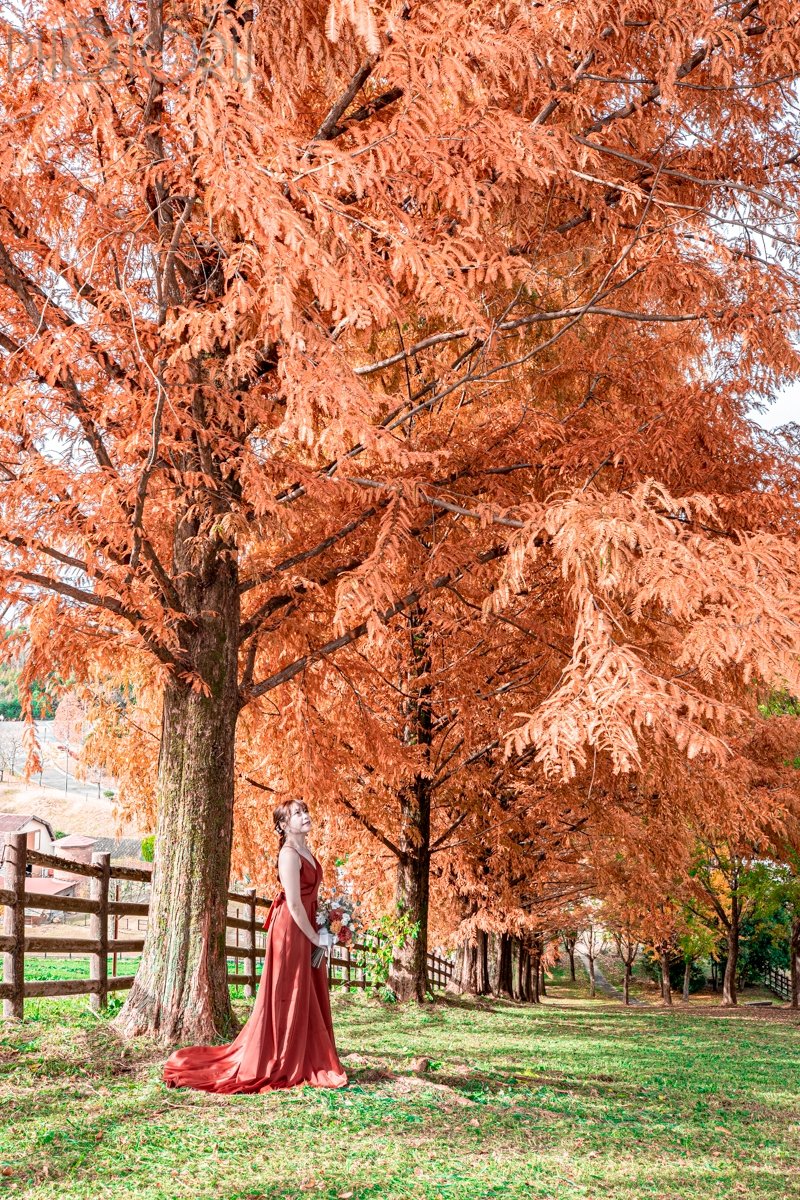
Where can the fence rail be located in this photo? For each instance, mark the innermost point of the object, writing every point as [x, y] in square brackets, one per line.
[348, 967]
[779, 982]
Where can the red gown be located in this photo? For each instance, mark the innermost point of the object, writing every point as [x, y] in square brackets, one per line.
[288, 1038]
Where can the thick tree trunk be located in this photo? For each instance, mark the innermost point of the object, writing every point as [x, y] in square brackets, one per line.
[535, 963]
[666, 990]
[408, 977]
[493, 963]
[464, 979]
[181, 992]
[687, 973]
[794, 964]
[470, 972]
[626, 984]
[505, 985]
[483, 963]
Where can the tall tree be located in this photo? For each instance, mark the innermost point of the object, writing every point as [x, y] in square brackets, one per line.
[277, 291]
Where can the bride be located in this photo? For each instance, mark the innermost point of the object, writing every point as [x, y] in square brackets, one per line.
[288, 1038]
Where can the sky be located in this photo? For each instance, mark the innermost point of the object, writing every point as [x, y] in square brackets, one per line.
[785, 407]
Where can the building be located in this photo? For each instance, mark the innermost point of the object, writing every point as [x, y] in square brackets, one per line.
[47, 887]
[39, 835]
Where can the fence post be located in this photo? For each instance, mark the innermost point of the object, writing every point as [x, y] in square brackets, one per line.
[250, 942]
[14, 924]
[98, 929]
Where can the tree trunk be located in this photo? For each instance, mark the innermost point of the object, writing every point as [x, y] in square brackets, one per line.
[542, 982]
[626, 984]
[592, 986]
[181, 992]
[505, 986]
[524, 972]
[535, 962]
[483, 985]
[519, 988]
[729, 998]
[794, 955]
[408, 977]
[687, 971]
[666, 991]
[464, 979]
[571, 953]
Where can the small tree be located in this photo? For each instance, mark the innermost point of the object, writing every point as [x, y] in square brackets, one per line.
[628, 946]
[570, 937]
[593, 939]
[695, 941]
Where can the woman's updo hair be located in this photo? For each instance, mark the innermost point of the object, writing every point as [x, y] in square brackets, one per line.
[281, 814]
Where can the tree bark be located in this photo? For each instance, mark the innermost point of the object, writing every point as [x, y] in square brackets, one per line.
[687, 971]
[470, 973]
[535, 962]
[483, 963]
[519, 974]
[464, 979]
[569, 941]
[729, 998]
[794, 956]
[181, 992]
[592, 985]
[626, 984]
[505, 985]
[666, 990]
[408, 977]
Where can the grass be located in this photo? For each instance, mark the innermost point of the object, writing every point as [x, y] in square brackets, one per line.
[575, 1099]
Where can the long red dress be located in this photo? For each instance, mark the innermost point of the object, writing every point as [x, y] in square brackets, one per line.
[288, 1038]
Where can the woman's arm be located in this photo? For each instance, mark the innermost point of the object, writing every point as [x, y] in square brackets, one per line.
[289, 872]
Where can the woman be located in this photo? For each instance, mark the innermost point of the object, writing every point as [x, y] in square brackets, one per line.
[288, 1038]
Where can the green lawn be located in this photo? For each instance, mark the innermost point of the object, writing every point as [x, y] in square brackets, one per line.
[575, 1099]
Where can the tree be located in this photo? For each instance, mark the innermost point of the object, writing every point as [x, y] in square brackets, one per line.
[593, 941]
[570, 938]
[254, 307]
[627, 942]
[695, 941]
[730, 885]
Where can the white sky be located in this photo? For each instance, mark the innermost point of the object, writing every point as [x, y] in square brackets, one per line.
[784, 408]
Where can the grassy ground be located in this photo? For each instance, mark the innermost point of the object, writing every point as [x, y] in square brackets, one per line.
[575, 1099]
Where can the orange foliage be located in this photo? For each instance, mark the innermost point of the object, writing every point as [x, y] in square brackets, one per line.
[451, 314]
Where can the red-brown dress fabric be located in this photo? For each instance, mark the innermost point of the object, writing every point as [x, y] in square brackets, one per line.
[288, 1038]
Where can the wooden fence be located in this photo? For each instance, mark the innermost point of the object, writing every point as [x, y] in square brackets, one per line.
[778, 982]
[351, 967]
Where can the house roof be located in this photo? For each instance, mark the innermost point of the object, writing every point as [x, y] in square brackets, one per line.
[48, 887]
[119, 847]
[16, 822]
[75, 839]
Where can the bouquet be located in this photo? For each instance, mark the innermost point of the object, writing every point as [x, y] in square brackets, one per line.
[338, 914]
